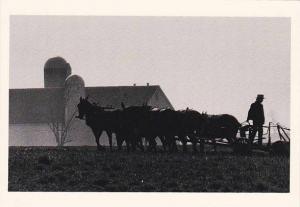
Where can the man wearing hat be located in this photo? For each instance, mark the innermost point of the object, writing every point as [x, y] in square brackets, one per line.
[256, 114]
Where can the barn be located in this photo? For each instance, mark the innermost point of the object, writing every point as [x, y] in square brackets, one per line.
[33, 112]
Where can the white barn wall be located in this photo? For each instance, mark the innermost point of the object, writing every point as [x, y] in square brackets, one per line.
[41, 135]
[31, 135]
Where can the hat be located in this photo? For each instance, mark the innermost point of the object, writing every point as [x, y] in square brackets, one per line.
[260, 96]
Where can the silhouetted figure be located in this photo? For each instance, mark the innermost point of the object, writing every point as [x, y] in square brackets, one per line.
[256, 114]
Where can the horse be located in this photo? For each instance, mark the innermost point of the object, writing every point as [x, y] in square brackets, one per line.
[153, 127]
[99, 120]
[190, 127]
[131, 117]
[223, 126]
[140, 122]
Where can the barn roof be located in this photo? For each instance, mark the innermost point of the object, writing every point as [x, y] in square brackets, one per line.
[114, 95]
[36, 105]
[41, 105]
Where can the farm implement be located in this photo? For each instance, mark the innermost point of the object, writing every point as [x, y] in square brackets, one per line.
[279, 146]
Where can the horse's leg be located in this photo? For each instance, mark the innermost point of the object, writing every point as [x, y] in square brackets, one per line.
[194, 142]
[214, 144]
[175, 149]
[167, 142]
[127, 137]
[202, 142]
[173, 144]
[97, 133]
[133, 142]
[183, 140]
[109, 134]
[140, 143]
[120, 140]
[148, 143]
[128, 144]
[163, 142]
[152, 143]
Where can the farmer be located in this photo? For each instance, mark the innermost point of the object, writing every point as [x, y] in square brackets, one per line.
[256, 114]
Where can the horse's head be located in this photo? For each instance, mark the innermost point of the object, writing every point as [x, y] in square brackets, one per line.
[84, 107]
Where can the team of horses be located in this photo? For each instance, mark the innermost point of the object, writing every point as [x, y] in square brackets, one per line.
[133, 124]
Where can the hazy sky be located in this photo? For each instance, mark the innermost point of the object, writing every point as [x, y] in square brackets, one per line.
[211, 64]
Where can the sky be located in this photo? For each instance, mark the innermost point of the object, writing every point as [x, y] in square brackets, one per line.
[212, 64]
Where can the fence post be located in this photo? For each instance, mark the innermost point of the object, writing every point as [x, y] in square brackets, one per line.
[279, 132]
[269, 135]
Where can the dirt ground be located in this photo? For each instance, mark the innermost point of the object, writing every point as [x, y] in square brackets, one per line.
[86, 169]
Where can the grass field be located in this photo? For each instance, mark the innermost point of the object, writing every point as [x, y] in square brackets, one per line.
[86, 169]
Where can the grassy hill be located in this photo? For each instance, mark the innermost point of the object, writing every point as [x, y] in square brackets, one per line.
[86, 169]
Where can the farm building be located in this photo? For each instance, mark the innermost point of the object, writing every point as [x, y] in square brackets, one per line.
[34, 111]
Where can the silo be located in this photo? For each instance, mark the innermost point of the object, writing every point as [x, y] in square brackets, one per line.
[74, 89]
[56, 70]
[78, 130]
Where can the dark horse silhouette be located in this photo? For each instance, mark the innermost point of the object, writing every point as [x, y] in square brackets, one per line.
[133, 123]
[99, 120]
[176, 125]
[140, 122]
[191, 123]
[126, 124]
[223, 126]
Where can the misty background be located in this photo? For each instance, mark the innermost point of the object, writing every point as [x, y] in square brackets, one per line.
[212, 64]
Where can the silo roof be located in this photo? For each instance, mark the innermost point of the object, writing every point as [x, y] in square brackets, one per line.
[55, 62]
[74, 78]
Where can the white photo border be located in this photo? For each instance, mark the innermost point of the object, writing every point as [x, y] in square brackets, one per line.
[227, 8]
